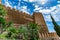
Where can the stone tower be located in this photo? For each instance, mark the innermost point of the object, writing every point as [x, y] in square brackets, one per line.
[39, 19]
[0, 1]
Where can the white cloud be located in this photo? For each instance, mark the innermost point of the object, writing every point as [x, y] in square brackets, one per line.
[47, 18]
[37, 1]
[24, 9]
[42, 2]
[53, 8]
[55, 17]
[44, 11]
[58, 1]
[25, 0]
[29, 0]
[37, 8]
[7, 4]
[15, 7]
[55, 11]
[19, 0]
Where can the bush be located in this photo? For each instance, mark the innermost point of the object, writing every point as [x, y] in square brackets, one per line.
[33, 29]
[30, 32]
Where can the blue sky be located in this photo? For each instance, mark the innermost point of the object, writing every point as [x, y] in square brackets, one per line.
[45, 6]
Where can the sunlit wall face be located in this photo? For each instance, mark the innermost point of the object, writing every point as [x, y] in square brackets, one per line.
[0, 1]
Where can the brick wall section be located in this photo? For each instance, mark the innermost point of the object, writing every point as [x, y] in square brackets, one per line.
[38, 19]
[18, 17]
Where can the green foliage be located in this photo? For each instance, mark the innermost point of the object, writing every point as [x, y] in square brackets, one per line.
[11, 32]
[23, 32]
[2, 19]
[56, 26]
[22, 29]
[29, 32]
[2, 14]
[3, 11]
[12, 29]
[3, 24]
[33, 29]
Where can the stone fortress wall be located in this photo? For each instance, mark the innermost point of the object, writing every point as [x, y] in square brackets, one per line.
[19, 17]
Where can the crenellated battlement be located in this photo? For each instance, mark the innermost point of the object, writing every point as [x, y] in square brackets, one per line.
[18, 11]
[14, 15]
[13, 9]
[47, 35]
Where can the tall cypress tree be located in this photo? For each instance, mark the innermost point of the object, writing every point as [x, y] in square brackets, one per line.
[56, 26]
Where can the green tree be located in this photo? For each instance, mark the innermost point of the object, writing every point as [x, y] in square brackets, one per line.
[3, 23]
[3, 11]
[23, 33]
[2, 19]
[56, 26]
[33, 30]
